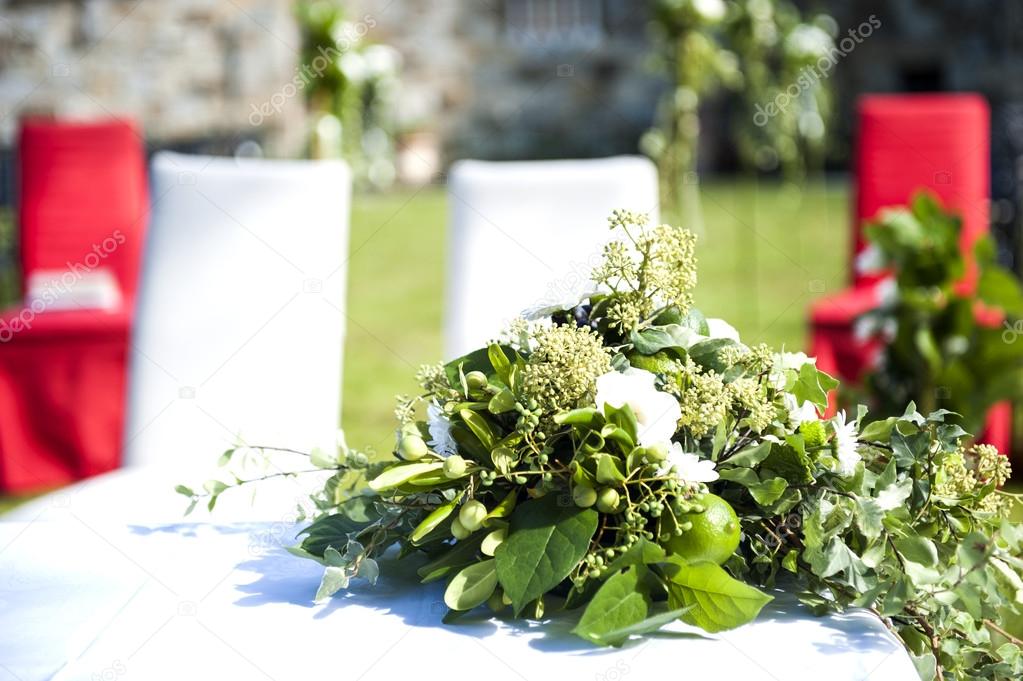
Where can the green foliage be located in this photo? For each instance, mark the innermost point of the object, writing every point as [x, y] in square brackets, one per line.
[547, 540]
[947, 342]
[902, 516]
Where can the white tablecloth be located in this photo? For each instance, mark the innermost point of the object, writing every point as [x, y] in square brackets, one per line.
[80, 600]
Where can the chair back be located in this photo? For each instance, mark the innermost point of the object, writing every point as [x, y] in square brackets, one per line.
[83, 202]
[940, 142]
[525, 233]
[239, 328]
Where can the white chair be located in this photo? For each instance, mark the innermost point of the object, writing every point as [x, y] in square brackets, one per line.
[527, 233]
[239, 329]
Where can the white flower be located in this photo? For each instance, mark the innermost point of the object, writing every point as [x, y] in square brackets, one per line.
[710, 10]
[688, 467]
[657, 413]
[807, 41]
[887, 293]
[440, 430]
[870, 260]
[719, 328]
[845, 445]
[799, 413]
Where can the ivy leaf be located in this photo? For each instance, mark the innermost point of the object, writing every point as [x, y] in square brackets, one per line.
[869, 517]
[812, 386]
[619, 603]
[918, 549]
[472, 586]
[545, 541]
[715, 600]
[751, 456]
[767, 492]
[334, 579]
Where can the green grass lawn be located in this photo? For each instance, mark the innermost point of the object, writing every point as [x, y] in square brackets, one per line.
[765, 252]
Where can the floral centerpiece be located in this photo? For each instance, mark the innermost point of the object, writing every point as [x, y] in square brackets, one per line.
[627, 459]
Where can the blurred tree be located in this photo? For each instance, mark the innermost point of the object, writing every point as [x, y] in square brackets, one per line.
[349, 86]
[763, 50]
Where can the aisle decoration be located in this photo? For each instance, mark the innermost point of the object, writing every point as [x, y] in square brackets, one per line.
[622, 457]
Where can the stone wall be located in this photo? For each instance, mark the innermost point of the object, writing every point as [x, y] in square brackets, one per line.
[189, 70]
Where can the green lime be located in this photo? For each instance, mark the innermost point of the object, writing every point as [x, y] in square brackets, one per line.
[658, 363]
[714, 534]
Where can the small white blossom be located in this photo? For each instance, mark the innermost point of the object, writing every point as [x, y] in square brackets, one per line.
[845, 445]
[688, 467]
[870, 260]
[710, 11]
[799, 413]
[440, 430]
[657, 413]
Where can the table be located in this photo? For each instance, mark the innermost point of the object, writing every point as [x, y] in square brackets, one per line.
[81, 600]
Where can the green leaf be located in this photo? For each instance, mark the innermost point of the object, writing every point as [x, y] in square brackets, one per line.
[608, 471]
[432, 521]
[502, 402]
[463, 553]
[767, 492]
[642, 552]
[187, 491]
[619, 603]
[334, 579]
[708, 353]
[918, 549]
[717, 601]
[396, 475]
[577, 417]
[812, 386]
[499, 360]
[869, 517]
[545, 541]
[751, 456]
[479, 427]
[472, 586]
[329, 531]
[656, 338]
[651, 623]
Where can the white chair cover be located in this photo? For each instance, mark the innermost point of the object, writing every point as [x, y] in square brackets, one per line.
[527, 233]
[238, 333]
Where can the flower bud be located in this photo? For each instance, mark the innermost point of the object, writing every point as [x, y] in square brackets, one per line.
[656, 453]
[412, 447]
[476, 380]
[472, 514]
[458, 530]
[454, 466]
[607, 500]
[584, 496]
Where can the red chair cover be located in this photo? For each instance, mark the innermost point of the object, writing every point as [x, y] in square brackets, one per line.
[83, 205]
[907, 142]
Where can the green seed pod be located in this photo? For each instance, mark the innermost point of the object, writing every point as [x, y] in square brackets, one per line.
[584, 496]
[476, 380]
[458, 530]
[454, 466]
[412, 447]
[607, 500]
[472, 514]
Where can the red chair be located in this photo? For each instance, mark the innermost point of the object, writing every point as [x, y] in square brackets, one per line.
[83, 207]
[907, 142]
